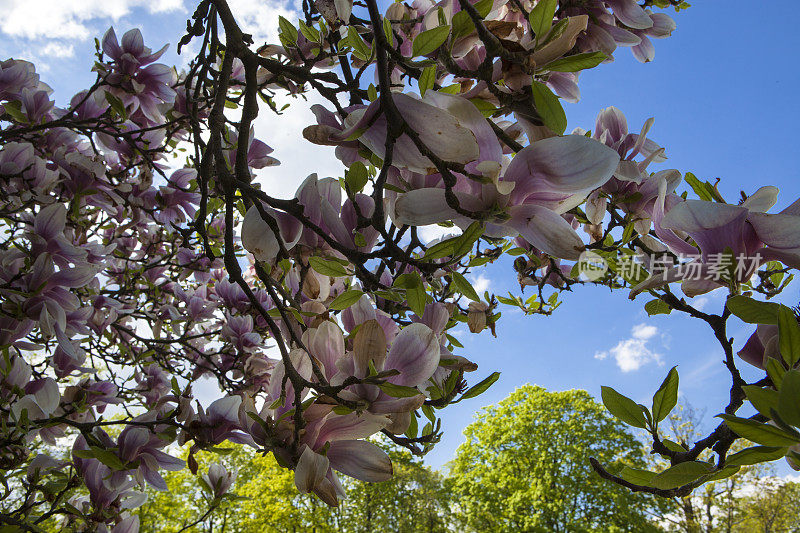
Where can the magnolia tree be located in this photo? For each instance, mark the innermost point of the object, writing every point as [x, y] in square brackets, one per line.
[139, 254]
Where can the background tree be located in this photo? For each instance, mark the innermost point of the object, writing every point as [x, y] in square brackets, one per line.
[264, 499]
[525, 467]
[718, 505]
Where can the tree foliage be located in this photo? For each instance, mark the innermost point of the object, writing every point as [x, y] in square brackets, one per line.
[525, 467]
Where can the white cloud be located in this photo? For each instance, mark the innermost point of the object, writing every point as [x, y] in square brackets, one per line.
[633, 353]
[70, 19]
[480, 283]
[298, 157]
[260, 19]
[435, 231]
[55, 49]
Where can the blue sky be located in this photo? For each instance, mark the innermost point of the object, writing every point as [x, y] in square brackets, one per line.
[721, 90]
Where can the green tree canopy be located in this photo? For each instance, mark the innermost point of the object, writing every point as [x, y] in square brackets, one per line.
[264, 499]
[524, 467]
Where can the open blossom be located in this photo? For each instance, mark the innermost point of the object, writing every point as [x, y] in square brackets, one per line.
[746, 231]
[543, 181]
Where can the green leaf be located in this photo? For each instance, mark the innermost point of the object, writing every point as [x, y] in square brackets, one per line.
[441, 249]
[398, 391]
[541, 17]
[312, 34]
[666, 396]
[764, 400]
[346, 299]
[360, 49]
[681, 474]
[703, 189]
[356, 177]
[775, 371]
[576, 62]
[117, 105]
[428, 41]
[417, 298]
[657, 307]
[14, 110]
[789, 398]
[406, 281]
[753, 311]
[623, 408]
[759, 433]
[481, 387]
[463, 286]
[725, 472]
[427, 79]
[288, 32]
[387, 30]
[326, 267]
[468, 238]
[411, 432]
[755, 455]
[637, 476]
[549, 107]
[462, 22]
[788, 335]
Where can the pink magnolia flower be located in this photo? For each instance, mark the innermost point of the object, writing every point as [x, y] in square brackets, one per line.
[542, 182]
[745, 230]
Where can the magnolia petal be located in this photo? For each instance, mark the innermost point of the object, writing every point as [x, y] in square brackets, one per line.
[547, 231]
[421, 207]
[327, 344]
[713, 226]
[631, 14]
[563, 43]
[777, 230]
[258, 237]
[351, 427]
[565, 165]
[415, 353]
[361, 460]
[310, 470]
[762, 200]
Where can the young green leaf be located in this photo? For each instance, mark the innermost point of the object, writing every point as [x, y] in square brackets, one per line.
[666, 396]
[541, 17]
[755, 455]
[576, 62]
[549, 107]
[481, 387]
[427, 79]
[753, 311]
[623, 408]
[429, 40]
[398, 391]
[788, 335]
[759, 433]
[346, 299]
[681, 474]
[326, 267]
[789, 398]
[462, 285]
[764, 400]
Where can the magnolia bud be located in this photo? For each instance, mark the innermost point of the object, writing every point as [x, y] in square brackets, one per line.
[399, 422]
[369, 344]
[395, 11]
[476, 318]
[311, 286]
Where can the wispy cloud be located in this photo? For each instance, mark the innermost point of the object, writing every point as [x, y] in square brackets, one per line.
[71, 19]
[632, 353]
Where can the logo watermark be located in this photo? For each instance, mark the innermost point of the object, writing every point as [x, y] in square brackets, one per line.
[591, 266]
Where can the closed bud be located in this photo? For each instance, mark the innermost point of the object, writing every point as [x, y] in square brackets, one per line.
[369, 344]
